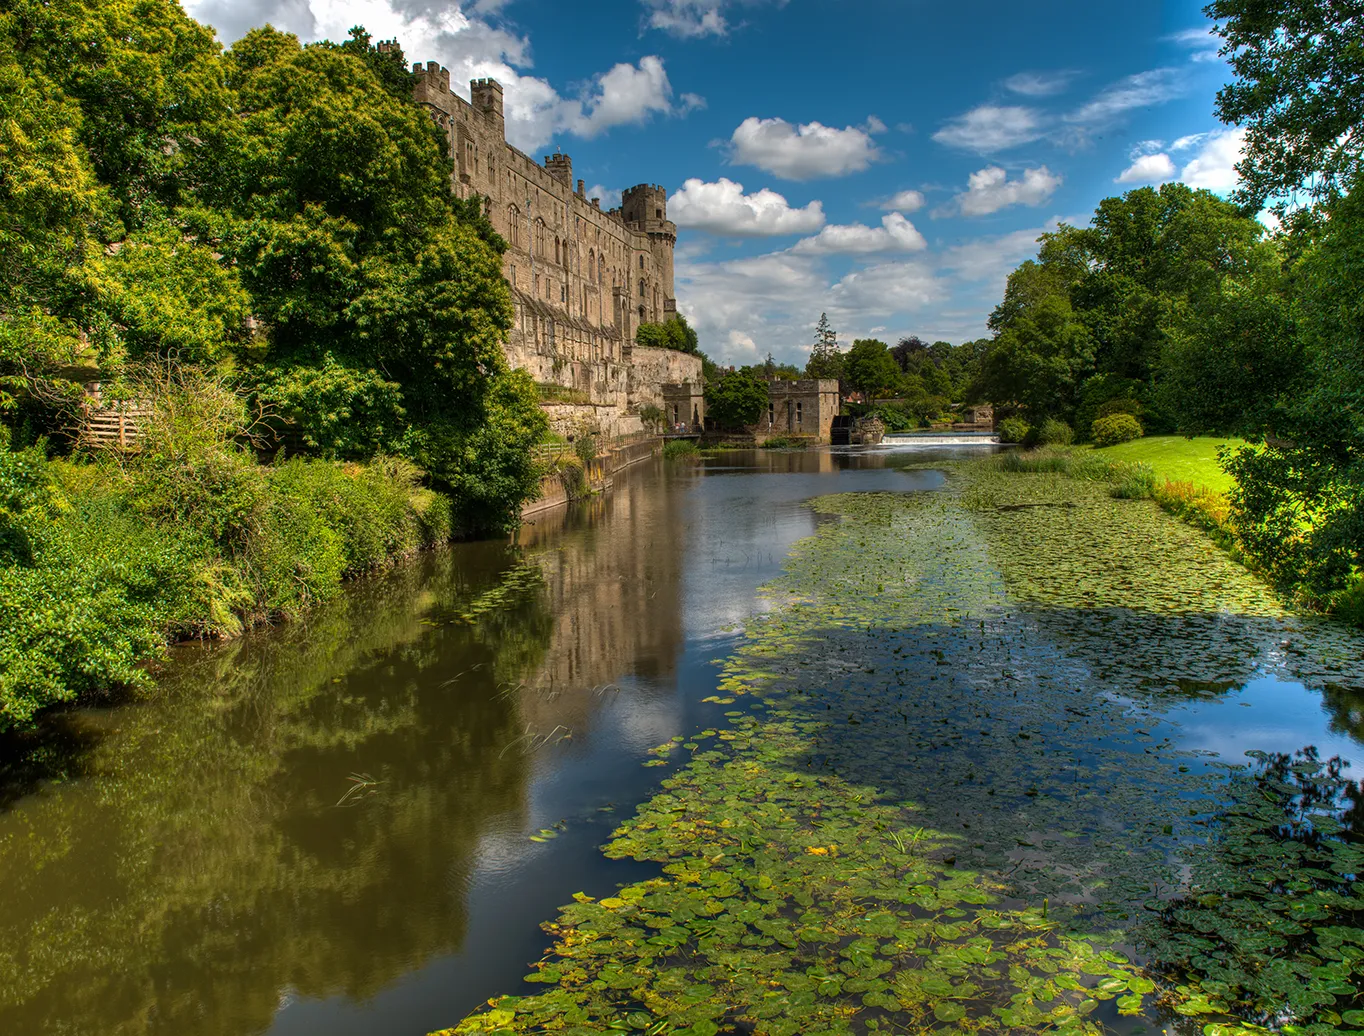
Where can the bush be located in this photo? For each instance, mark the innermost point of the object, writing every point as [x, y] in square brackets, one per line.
[1120, 406]
[1133, 482]
[1013, 429]
[674, 449]
[1055, 433]
[1115, 429]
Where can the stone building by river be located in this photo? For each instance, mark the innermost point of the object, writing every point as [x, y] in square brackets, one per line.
[583, 279]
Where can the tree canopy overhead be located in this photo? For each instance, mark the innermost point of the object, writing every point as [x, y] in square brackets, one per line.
[1299, 91]
[282, 208]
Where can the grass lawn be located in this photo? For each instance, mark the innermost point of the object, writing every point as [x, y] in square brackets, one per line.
[1178, 459]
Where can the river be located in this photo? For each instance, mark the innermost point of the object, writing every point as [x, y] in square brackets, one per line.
[358, 822]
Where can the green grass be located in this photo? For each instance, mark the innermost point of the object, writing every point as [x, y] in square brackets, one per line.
[1176, 458]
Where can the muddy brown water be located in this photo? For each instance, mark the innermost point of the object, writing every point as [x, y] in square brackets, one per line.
[356, 823]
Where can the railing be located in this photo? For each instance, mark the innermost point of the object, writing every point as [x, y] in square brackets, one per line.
[115, 426]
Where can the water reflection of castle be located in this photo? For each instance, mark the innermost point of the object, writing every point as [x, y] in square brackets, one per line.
[613, 575]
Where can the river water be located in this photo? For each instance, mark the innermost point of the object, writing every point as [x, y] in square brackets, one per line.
[357, 823]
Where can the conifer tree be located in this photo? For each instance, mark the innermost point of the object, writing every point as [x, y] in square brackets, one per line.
[825, 359]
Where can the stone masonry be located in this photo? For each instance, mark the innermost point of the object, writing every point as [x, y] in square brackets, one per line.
[583, 279]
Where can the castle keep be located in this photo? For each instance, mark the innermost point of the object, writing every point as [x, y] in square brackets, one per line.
[582, 279]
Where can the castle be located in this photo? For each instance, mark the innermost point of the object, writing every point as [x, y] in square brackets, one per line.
[582, 279]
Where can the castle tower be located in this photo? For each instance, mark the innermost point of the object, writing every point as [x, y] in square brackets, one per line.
[645, 207]
[561, 168]
[487, 100]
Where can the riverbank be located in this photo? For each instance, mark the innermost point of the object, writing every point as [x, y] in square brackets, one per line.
[952, 791]
[103, 564]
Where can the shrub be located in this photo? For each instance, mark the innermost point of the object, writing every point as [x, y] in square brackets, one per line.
[674, 449]
[1115, 429]
[585, 446]
[1120, 406]
[573, 474]
[1013, 429]
[1133, 482]
[1055, 433]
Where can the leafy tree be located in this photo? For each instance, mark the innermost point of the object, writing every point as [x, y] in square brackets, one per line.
[826, 361]
[909, 353]
[1299, 499]
[870, 369]
[737, 399]
[1299, 92]
[1040, 360]
[673, 333]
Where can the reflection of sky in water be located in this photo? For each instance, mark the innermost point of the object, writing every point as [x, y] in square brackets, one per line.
[1272, 714]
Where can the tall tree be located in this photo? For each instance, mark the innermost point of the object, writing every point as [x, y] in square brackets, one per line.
[1299, 92]
[1040, 360]
[870, 369]
[826, 360]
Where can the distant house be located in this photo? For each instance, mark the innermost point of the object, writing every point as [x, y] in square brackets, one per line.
[684, 406]
[982, 415]
[804, 408]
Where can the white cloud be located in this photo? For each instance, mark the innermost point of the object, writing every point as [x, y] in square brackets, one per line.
[626, 94]
[1202, 43]
[895, 234]
[802, 152]
[886, 288]
[1214, 167]
[990, 190]
[1157, 168]
[693, 18]
[904, 201]
[1039, 84]
[724, 208]
[472, 43]
[609, 196]
[992, 259]
[1142, 90]
[992, 127]
[1186, 142]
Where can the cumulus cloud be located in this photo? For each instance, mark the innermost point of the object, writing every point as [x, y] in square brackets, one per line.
[992, 127]
[471, 41]
[1038, 84]
[990, 190]
[895, 234]
[1157, 168]
[802, 152]
[904, 201]
[609, 196]
[626, 94]
[724, 208]
[886, 288]
[1142, 90]
[1214, 167]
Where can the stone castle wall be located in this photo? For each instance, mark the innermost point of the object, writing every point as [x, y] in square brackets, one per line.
[583, 279]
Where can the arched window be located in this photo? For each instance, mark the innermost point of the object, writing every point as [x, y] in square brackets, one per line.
[641, 294]
[514, 222]
[557, 257]
[641, 260]
[591, 263]
[641, 314]
[601, 269]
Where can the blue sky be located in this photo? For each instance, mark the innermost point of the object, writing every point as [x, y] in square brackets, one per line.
[886, 161]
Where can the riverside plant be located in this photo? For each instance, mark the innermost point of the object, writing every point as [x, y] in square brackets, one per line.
[895, 760]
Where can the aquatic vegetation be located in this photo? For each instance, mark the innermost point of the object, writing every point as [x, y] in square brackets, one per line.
[1273, 930]
[674, 449]
[946, 799]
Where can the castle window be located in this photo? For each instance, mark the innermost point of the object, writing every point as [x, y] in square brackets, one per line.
[563, 293]
[641, 294]
[641, 261]
[556, 251]
[641, 314]
[549, 325]
[799, 417]
[658, 213]
[512, 278]
[771, 413]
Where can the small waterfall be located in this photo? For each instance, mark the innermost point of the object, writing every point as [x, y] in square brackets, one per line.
[901, 439]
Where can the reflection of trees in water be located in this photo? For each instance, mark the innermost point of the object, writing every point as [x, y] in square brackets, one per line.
[210, 868]
[1271, 926]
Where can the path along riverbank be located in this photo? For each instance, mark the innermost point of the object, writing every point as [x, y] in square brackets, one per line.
[963, 788]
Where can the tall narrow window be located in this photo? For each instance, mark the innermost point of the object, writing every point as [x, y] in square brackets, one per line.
[800, 420]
